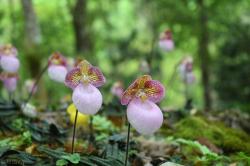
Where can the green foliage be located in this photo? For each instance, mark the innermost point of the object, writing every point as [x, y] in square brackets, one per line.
[90, 160]
[73, 158]
[101, 123]
[203, 149]
[233, 68]
[17, 141]
[18, 124]
[231, 140]
[242, 158]
[61, 162]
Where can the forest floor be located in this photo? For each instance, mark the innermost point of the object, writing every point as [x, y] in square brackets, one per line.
[186, 138]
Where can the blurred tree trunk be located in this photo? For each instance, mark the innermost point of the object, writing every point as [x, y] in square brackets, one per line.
[82, 37]
[13, 22]
[32, 46]
[32, 37]
[204, 54]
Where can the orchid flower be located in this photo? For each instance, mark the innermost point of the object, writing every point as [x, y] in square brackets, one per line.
[142, 112]
[84, 80]
[186, 70]
[9, 81]
[117, 89]
[8, 60]
[166, 42]
[57, 69]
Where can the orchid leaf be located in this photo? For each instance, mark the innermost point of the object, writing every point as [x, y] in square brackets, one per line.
[73, 158]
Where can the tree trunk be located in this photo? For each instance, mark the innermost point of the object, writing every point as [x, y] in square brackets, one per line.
[82, 38]
[31, 46]
[204, 55]
[32, 37]
[13, 22]
[32, 29]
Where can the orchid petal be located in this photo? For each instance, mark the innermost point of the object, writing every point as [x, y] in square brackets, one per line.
[146, 117]
[57, 59]
[130, 93]
[8, 50]
[73, 78]
[154, 90]
[87, 99]
[96, 77]
[84, 66]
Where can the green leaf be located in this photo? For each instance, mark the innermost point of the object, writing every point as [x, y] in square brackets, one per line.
[204, 150]
[170, 164]
[61, 162]
[73, 158]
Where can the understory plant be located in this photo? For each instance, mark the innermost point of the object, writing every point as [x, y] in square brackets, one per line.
[84, 80]
[142, 112]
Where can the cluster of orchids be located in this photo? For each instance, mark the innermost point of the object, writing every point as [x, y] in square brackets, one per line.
[141, 97]
[10, 65]
[84, 79]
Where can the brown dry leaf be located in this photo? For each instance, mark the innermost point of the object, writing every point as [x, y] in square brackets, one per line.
[31, 148]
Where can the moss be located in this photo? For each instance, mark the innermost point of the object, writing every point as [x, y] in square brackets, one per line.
[230, 140]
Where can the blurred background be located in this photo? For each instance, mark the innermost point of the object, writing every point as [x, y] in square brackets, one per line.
[121, 37]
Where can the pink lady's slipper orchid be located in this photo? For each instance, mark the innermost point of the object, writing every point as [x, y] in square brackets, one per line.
[84, 80]
[186, 70]
[166, 42]
[117, 89]
[57, 67]
[9, 81]
[9, 61]
[142, 112]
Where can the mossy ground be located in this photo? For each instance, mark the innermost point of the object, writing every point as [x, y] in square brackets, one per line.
[230, 140]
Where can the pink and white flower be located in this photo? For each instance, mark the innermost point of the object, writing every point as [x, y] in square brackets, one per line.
[142, 112]
[186, 70]
[84, 80]
[57, 69]
[9, 81]
[8, 58]
[117, 89]
[166, 42]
